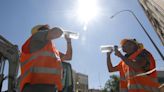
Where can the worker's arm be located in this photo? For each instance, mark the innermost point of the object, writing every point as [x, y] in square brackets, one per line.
[109, 63]
[68, 55]
[140, 63]
[54, 33]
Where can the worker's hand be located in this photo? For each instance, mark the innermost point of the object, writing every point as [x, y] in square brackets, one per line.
[67, 39]
[117, 53]
[109, 53]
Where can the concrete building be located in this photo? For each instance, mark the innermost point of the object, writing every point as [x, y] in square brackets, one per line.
[80, 82]
[154, 9]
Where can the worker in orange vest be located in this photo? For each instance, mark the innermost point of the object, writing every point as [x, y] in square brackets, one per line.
[123, 81]
[41, 67]
[137, 68]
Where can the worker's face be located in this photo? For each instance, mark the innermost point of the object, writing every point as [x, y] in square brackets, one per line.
[129, 47]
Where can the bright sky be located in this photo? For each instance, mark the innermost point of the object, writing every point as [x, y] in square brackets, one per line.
[19, 16]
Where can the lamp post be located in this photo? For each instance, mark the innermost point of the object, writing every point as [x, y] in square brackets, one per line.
[131, 12]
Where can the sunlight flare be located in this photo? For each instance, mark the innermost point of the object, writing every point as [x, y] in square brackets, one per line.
[87, 10]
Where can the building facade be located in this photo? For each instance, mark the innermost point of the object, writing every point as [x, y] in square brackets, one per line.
[80, 82]
[154, 9]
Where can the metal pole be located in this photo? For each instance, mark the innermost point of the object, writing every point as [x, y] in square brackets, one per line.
[131, 12]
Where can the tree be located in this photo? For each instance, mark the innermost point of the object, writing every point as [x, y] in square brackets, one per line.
[112, 85]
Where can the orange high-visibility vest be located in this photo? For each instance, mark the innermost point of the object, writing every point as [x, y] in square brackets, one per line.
[123, 82]
[40, 67]
[139, 81]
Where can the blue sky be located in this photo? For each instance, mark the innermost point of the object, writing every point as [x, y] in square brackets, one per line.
[19, 16]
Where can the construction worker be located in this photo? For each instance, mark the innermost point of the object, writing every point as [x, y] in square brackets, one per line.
[41, 68]
[136, 68]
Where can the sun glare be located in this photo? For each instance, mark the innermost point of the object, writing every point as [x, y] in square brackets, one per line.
[87, 10]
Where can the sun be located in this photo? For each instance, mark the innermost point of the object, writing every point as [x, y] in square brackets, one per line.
[87, 10]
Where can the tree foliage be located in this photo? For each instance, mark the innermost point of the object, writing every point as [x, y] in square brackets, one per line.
[112, 85]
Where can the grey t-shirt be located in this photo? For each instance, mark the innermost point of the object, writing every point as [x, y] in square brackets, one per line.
[38, 41]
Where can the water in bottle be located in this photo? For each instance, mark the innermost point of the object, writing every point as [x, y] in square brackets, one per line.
[72, 35]
[108, 48]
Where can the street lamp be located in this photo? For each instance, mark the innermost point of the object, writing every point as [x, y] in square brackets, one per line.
[131, 12]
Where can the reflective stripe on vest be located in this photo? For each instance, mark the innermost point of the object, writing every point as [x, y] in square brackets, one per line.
[141, 74]
[41, 70]
[123, 90]
[146, 73]
[43, 53]
[45, 70]
[144, 87]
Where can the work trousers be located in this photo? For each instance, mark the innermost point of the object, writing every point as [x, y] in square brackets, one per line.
[39, 88]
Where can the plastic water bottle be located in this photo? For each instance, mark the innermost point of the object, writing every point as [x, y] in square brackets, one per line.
[72, 35]
[108, 48]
